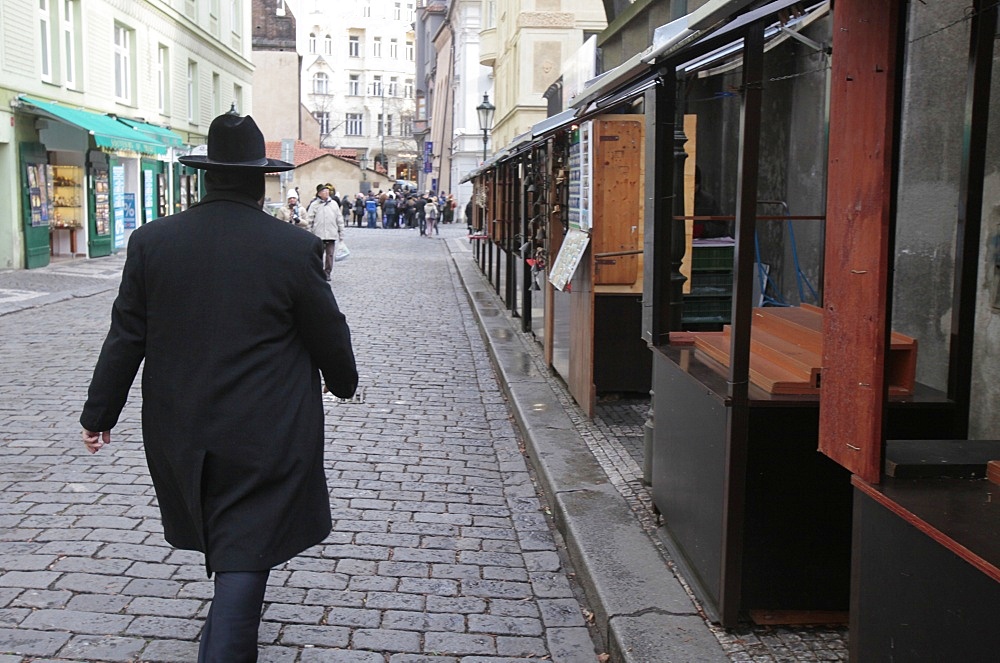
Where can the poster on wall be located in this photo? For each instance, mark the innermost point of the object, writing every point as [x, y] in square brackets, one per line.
[580, 165]
[118, 204]
[39, 193]
[570, 253]
[147, 196]
[129, 209]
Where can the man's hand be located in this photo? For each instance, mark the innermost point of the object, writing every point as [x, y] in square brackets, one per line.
[94, 441]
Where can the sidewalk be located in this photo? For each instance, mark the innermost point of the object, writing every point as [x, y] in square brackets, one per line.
[641, 609]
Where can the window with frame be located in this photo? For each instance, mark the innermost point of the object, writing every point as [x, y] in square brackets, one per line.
[69, 21]
[321, 83]
[409, 50]
[162, 78]
[388, 125]
[394, 49]
[406, 127]
[409, 12]
[408, 88]
[377, 47]
[354, 84]
[312, 42]
[45, 34]
[236, 24]
[192, 89]
[376, 86]
[216, 95]
[238, 97]
[381, 125]
[397, 11]
[323, 118]
[354, 125]
[354, 46]
[213, 17]
[393, 86]
[367, 10]
[328, 45]
[123, 63]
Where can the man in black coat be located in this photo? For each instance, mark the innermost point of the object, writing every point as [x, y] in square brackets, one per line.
[230, 311]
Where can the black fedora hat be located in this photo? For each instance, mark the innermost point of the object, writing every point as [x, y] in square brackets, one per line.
[235, 143]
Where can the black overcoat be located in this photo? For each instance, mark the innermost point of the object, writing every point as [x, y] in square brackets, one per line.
[230, 309]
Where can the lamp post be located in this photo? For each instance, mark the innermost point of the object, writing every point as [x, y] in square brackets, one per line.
[485, 111]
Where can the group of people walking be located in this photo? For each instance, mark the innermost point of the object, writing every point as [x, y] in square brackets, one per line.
[322, 216]
[400, 209]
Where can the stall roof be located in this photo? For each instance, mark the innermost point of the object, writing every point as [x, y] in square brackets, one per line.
[162, 134]
[107, 131]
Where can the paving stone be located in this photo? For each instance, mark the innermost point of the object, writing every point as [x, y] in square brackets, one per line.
[293, 614]
[170, 651]
[77, 621]
[106, 648]
[340, 656]
[33, 643]
[458, 643]
[315, 636]
[42, 598]
[149, 605]
[386, 640]
[165, 627]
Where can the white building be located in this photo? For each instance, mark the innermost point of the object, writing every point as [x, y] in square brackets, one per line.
[358, 77]
[96, 102]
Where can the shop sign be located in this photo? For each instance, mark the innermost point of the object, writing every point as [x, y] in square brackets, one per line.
[129, 211]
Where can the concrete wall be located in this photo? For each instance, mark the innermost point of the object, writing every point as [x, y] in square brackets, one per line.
[927, 195]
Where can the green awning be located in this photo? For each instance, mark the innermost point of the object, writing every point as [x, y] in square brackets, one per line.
[162, 134]
[107, 131]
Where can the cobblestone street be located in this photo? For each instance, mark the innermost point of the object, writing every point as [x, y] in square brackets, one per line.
[443, 551]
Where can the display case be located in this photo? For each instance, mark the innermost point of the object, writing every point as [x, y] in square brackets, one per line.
[67, 197]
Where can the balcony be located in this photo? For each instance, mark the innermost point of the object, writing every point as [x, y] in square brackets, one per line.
[488, 47]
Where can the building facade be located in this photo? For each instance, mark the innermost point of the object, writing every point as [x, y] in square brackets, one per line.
[358, 78]
[95, 106]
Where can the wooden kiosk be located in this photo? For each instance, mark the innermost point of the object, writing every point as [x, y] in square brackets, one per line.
[598, 269]
[759, 522]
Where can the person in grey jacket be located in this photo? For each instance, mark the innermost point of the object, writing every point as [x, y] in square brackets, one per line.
[326, 222]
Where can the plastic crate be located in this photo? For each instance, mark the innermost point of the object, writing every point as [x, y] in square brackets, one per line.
[711, 283]
[706, 309]
[712, 258]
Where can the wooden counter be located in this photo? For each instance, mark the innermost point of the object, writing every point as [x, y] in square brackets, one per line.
[772, 532]
[926, 580]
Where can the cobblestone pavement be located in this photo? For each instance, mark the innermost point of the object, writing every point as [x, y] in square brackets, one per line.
[441, 550]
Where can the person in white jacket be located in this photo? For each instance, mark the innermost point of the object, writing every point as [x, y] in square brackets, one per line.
[326, 222]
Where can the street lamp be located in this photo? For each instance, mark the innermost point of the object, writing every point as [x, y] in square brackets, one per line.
[485, 111]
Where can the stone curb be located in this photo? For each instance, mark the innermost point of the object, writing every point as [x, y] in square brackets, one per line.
[640, 608]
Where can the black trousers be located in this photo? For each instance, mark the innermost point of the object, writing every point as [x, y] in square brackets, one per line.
[230, 633]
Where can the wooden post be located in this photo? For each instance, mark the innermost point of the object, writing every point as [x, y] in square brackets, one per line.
[859, 227]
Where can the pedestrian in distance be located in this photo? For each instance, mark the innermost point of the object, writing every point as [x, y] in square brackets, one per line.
[346, 207]
[228, 310]
[390, 211]
[359, 209]
[432, 213]
[419, 205]
[371, 209]
[292, 212]
[327, 223]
